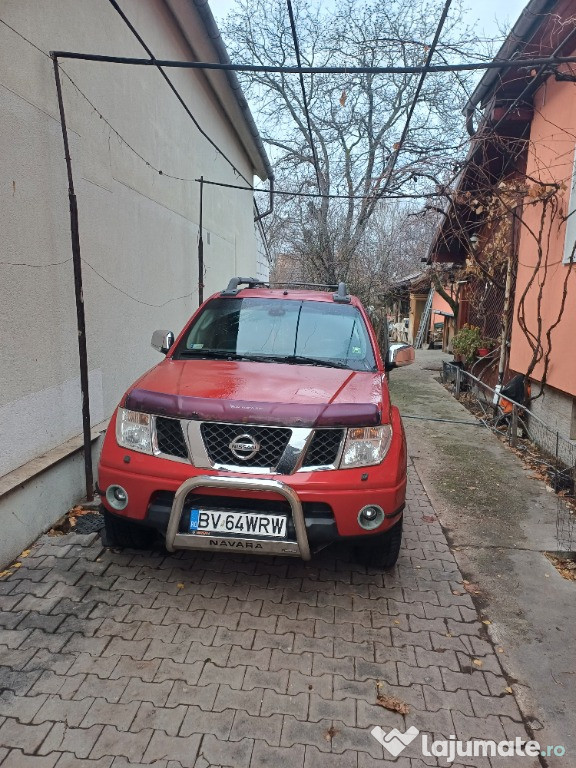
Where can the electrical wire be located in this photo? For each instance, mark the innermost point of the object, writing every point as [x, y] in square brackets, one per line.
[174, 90]
[304, 98]
[394, 157]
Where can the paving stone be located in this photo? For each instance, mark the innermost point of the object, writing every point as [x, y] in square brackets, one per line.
[268, 729]
[315, 733]
[232, 676]
[79, 741]
[66, 711]
[203, 696]
[256, 678]
[316, 759]
[112, 628]
[114, 742]
[18, 681]
[299, 683]
[86, 664]
[69, 760]
[226, 753]
[201, 722]
[93, 686]
[291, 661]
[159, 718]
[101, 712]
[156, 693]
[172, 670]
[344, 709]
[18, 759]
[22, 708]
[273, 703]
[247, 701]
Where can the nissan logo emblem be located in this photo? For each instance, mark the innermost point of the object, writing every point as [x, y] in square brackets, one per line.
[244, 447]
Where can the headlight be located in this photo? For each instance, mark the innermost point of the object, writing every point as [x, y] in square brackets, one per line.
[366, 446]
[134, 430]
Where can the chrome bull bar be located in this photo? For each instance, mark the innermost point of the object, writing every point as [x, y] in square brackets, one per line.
[176, 540]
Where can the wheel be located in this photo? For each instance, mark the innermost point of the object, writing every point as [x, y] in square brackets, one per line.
[381, 551]
[123, 533]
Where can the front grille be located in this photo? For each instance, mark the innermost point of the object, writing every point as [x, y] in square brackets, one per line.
[170, 437]
[323, 448]
[272, 443]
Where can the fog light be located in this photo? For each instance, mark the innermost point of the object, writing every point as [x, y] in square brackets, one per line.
[117, 497]
[371, 517]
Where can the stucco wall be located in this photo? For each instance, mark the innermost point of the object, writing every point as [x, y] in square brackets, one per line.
[550, 158]
[138, 228]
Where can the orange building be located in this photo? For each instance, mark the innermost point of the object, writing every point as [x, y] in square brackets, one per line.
[512, 220]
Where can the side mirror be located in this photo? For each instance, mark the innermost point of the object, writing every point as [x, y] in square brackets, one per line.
[162, 341]
[399, 355]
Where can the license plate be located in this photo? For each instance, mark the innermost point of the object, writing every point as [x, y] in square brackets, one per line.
[238, 523]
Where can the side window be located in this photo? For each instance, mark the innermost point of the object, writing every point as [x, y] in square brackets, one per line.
[570, 242]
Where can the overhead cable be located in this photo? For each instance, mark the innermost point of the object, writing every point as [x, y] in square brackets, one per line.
[304, 99]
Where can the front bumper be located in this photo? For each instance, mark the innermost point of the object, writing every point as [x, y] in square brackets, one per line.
[324, 503]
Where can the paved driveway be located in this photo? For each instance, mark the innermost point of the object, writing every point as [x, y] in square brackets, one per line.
[113, 658]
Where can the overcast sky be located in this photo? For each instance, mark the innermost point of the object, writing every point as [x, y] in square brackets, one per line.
[490, 14]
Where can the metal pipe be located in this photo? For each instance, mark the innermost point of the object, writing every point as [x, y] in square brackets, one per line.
[201, 248]
[79, 294]
[415, 70]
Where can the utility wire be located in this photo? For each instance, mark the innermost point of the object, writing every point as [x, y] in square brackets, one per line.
[304, 99]
[394, 158]
[174, 90]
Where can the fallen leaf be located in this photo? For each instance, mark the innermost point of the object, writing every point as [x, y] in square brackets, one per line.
[25, 553]
[477, 662]
[396, 621]
[508, 690]
[330, 733]
[343, 98]
[486, 621]
[180, 586]
[458, 594]
[429, 518]
[391, 702]
[500, 650]
[16, 565]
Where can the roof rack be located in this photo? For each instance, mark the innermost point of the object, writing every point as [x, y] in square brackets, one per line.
[236, 282]
[341, 295]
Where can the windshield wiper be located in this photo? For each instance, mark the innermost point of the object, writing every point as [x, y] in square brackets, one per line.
[222, 354]
[314, 361]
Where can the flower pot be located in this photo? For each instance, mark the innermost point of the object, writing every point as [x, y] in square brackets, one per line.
[482, 352]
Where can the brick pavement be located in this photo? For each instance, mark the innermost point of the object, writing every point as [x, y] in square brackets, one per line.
[121, 659]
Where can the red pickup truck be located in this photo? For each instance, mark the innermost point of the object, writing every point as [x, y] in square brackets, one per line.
[267, 429]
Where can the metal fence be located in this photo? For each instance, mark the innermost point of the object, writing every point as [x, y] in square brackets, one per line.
[515, 422]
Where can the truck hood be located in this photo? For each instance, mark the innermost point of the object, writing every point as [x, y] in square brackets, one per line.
[261, 393]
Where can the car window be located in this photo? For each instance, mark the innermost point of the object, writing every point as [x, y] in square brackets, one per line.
[281, 328]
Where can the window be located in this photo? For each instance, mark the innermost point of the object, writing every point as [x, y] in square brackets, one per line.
[570, 241]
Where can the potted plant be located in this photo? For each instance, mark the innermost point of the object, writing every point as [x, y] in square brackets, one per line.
[467, 342]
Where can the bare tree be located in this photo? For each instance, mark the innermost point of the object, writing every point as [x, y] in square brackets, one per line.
[356, 120]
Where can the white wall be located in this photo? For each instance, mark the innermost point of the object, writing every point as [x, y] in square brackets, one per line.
[138, 229]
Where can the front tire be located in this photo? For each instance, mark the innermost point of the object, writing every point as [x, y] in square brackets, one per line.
[381, 551]
[124, 533]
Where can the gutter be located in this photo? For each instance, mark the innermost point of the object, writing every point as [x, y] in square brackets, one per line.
[527, 24]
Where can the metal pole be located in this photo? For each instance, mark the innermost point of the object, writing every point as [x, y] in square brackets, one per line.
[201, 248]
[458, 382]
[78, 292]
[514, 426]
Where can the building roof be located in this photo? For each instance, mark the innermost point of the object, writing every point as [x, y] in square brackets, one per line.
[201, 32]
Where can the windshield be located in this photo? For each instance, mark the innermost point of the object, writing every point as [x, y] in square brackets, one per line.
[278, 330]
